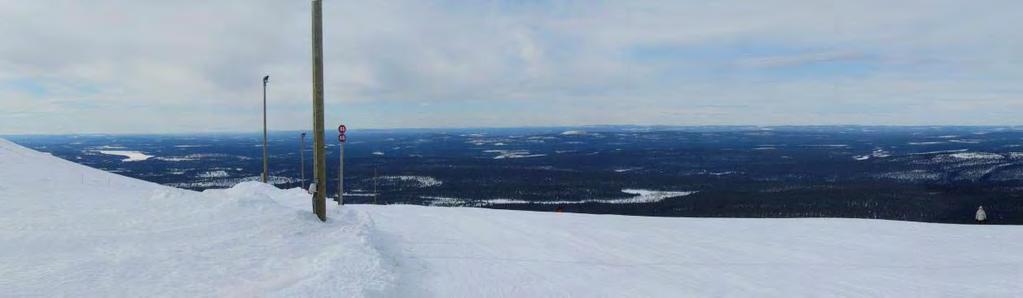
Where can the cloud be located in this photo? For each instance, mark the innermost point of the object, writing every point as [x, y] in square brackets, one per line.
[802, 59]
[171, 66]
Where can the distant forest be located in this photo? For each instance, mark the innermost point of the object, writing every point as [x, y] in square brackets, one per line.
[930, 174]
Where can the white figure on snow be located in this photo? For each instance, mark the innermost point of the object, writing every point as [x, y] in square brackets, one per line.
[981, 215]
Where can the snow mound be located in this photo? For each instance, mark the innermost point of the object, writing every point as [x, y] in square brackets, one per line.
[70, 229]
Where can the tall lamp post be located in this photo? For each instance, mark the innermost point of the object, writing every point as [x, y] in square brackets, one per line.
[319, 154]
[266, 166]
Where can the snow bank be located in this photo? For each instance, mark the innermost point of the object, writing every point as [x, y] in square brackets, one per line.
[66, 229]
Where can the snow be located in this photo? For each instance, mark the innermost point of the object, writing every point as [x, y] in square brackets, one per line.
[503, 154]
[827, 145]
[206, 182]
[639, 196]
[968, 141]
[176, 158]
[977, 155]
[130, 155]
[939, 152]
[467, 252]
[913, 175]
[214, 174]
[70, 230]
[624, 170]
[198, 156]
[417, 181]
[877, 153]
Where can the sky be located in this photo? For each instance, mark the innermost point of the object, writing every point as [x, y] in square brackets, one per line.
[140, 66]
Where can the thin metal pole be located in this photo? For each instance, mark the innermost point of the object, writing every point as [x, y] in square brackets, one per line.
[265, 154]
[301, 158]
[375, 194]
[341, 175]
[319, 158]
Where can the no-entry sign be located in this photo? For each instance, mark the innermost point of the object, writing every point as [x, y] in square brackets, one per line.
[342, 129]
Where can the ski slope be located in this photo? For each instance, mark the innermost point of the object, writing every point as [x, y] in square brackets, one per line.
[69, 230]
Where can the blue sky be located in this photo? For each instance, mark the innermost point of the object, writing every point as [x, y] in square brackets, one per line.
[195, 66]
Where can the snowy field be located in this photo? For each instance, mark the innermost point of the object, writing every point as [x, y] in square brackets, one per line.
[129, 155]
[69, 230]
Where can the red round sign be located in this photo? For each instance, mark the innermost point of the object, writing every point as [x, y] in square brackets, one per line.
[342, 138]
[342, 129]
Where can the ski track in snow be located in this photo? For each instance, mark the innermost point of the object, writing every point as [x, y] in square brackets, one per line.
[70, 230]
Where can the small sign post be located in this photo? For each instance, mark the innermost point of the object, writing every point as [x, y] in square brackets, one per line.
[341, 138]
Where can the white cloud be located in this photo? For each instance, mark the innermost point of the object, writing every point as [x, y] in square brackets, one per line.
[799, 59]
[156, 66]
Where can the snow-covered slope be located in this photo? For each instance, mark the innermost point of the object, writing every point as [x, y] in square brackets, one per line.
[70, 230]
[453, 251]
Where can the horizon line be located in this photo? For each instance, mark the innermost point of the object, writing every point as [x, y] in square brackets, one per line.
[663, 126]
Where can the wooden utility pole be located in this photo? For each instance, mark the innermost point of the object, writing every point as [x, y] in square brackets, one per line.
[319, 152]
[375, 193]
[301, 161]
